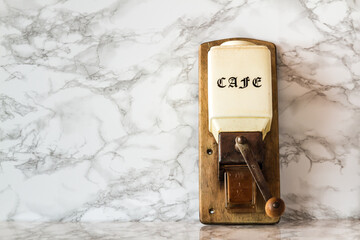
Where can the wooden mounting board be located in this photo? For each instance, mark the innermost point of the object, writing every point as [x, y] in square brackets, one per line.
[212, 195]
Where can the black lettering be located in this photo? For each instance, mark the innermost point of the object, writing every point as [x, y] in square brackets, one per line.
[220, 83]
[256, 82]
[232, 82]
[245, 82]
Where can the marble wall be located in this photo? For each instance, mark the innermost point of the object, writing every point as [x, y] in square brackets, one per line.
[99, 104]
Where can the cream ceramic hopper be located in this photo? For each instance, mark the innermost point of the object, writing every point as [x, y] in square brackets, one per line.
[235, 109]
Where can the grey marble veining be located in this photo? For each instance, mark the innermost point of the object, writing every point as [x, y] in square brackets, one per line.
[333, 229]
[98, 105]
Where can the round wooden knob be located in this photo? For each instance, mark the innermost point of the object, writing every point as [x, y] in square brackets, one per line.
[274, 207]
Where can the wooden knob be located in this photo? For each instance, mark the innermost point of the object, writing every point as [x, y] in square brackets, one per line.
[274, 207]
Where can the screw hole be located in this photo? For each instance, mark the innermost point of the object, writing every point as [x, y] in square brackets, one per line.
[209, 151]
[211, 211]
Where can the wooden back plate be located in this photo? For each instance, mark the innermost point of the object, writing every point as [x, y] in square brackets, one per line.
[212, 191]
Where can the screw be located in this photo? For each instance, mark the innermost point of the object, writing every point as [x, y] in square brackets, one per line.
[211, 211]
[241, 139]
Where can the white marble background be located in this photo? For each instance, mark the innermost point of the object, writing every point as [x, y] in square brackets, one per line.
[99, 104]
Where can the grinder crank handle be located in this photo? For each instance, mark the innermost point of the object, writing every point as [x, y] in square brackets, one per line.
[274, 206]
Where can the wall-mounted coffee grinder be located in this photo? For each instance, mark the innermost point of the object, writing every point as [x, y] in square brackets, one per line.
[238, 133]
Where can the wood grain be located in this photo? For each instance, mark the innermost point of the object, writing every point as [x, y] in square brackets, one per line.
[212, 192]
